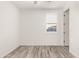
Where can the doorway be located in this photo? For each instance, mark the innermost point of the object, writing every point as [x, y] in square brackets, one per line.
[66, 28]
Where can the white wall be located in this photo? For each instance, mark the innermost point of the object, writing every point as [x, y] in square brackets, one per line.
[73, 28]
[9, 28]
[33, 30]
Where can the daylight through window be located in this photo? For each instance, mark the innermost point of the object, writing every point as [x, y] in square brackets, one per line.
[51, 22]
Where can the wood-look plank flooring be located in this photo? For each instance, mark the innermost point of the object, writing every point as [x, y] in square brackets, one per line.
[40, 52]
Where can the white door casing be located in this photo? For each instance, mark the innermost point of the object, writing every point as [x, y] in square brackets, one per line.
[66, 28]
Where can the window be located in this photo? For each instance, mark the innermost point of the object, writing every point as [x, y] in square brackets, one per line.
[51, 22]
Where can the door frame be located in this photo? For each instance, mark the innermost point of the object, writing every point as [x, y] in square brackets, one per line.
[67, 10]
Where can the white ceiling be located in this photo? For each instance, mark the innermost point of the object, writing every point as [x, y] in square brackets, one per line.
[40, 4]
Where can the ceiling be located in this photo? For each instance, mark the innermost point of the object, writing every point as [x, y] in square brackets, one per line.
[40, 4]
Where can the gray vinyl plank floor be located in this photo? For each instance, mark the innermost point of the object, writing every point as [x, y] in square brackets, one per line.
[40, 52]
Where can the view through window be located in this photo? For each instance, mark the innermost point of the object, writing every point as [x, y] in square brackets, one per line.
[51, 22]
